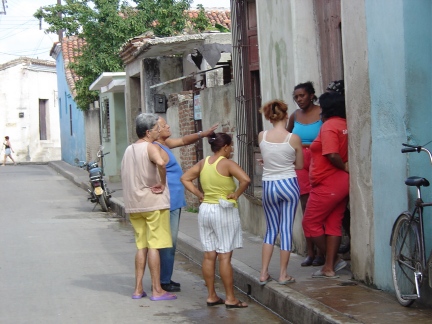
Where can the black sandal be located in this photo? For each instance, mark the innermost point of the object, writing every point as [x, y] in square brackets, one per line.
[218, 302]
[238, 305]
[307, 262]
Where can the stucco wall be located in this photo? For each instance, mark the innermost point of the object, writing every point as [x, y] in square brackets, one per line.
[73, 145]
[359, 121]
[20, 91]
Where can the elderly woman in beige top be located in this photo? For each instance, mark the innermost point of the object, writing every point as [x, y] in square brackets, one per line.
[146, 199]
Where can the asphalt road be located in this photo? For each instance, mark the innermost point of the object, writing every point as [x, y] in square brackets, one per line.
[63, 262]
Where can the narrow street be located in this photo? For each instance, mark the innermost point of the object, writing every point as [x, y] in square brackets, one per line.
[63, 262]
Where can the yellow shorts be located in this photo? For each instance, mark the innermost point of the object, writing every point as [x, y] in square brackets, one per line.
[152, 229]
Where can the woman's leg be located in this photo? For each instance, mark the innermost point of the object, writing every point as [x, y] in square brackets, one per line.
[226, 273]
[289, 194]
[266, 254]
[208, 271]
[271, 213]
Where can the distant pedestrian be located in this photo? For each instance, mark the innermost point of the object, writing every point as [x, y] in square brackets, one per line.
[218, 217]
[177, 196]
[8, 151]
[146, 199]
[282, 155]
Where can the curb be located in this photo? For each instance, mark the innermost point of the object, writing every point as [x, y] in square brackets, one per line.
[282, 300]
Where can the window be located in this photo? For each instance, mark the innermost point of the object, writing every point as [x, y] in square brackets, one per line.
[248, 92]
[70, 119]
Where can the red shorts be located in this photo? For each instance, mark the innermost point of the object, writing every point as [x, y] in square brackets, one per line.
[326, 206]
[303, 174]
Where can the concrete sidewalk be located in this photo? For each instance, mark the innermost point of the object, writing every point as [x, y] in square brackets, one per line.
[307, 300]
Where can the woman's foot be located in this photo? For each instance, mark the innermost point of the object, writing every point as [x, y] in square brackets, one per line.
[238, 304]
[319, 260]
[264, 279]
[307, 262]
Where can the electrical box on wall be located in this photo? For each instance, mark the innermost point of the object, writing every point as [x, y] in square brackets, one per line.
[160, 103]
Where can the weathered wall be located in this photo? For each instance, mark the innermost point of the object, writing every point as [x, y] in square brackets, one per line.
[217, 107]
[92, 127]
[158, 70]
[20, 91]
[360, 139]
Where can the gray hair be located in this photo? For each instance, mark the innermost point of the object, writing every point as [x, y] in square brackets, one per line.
[145, 122]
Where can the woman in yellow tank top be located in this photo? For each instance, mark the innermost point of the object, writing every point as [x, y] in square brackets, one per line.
[218, 218]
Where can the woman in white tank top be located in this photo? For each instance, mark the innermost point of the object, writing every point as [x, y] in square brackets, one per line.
[282, 155]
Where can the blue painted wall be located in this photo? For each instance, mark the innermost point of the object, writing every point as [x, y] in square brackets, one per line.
[72, 131]
[399, 52]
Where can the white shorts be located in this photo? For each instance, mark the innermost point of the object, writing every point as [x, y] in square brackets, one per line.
[219, 228]
[7, 151]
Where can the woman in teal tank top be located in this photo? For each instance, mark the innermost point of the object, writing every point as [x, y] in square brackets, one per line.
[218, 217]
[306, 123]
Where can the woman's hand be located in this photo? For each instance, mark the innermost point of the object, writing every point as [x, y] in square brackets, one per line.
[157, 189]
[210, 130]
[232, 196]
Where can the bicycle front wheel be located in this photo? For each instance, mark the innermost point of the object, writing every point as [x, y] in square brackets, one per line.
[405, 258]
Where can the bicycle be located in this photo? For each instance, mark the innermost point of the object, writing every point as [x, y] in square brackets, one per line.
[408, 257]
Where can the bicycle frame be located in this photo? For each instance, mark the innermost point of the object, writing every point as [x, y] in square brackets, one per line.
[411, 225]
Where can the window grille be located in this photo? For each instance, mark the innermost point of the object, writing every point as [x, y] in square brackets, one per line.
[106, 125]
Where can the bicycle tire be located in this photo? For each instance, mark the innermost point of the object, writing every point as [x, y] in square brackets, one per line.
[405, 257]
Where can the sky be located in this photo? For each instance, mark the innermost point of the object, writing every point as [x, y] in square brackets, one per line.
[20, 34]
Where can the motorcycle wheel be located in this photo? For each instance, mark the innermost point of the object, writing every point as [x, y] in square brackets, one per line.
[104, 201]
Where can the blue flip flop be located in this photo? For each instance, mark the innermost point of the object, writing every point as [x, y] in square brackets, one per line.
[166, 296]
[139, 296]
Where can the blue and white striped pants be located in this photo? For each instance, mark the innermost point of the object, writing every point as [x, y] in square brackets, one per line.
[280, 199]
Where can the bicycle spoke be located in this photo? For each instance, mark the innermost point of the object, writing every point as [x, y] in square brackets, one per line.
[405, 259]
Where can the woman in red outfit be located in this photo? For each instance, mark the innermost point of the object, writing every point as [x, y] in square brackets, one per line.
[329, 178]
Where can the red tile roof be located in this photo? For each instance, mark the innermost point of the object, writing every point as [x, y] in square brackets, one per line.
[71, 48]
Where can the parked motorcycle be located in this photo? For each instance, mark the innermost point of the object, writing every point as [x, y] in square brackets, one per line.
[99, 192]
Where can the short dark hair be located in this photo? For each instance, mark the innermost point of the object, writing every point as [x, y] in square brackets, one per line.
[6, 137]
[308, 87]
[218, 140]
[332, 105]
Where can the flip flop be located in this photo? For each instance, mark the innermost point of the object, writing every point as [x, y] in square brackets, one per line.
[262, 283]
[238, 305]
[166, 296]
[284, 282]
[320, 274]
[218, 302]
[139, 296]
[340, 265]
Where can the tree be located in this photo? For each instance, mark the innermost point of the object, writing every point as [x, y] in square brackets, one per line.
[106, 25]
